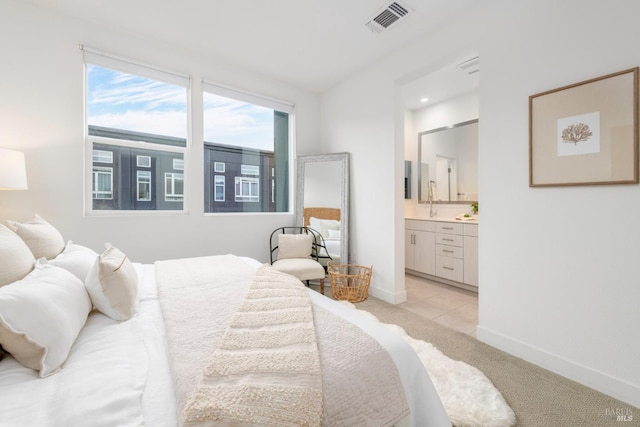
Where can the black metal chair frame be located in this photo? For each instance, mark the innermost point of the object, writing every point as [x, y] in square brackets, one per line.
[317, 247]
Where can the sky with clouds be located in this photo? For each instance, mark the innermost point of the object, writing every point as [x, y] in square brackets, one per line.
[124, 101]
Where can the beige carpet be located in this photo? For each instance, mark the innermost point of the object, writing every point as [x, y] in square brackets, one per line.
[537, 396]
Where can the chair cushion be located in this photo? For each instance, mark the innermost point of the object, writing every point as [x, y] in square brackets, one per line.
[294, 245]
[302, 268]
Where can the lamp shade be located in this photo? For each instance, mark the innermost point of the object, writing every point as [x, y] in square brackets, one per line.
[13, 172]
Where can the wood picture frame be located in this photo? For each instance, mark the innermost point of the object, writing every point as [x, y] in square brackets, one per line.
[585, 133]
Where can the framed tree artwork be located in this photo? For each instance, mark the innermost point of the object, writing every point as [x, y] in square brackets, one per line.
[585, 133]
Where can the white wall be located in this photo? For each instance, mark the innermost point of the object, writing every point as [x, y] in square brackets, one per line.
[558, 266]
[360, 121]
[559, 274]
[41, 113]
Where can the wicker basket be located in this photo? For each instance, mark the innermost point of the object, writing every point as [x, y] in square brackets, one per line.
[349, 282]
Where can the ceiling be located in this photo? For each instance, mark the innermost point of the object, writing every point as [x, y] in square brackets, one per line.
[312, 44]
[457, 78]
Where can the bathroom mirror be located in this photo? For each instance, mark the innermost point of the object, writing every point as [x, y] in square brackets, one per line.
[448, 164]
[322, 193]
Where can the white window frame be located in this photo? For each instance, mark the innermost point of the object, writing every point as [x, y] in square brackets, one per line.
[126, 65]
[172, 196]
[219, 167]
[250, 198]
[250, 170]
[147, 181]
[146, 164]
[273, 103]
[98, 156]
[178, 164]
[96, 171]
[218, 181]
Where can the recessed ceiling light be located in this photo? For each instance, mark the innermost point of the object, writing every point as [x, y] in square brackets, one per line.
[424, 99]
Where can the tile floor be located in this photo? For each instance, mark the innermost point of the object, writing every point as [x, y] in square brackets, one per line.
[450, 306]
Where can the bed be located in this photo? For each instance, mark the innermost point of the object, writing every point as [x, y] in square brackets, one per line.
[197, 348]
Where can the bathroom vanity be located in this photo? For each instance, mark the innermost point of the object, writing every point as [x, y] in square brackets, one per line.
[444, 250]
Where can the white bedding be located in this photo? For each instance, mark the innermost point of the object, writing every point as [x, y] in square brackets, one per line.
[118, 374]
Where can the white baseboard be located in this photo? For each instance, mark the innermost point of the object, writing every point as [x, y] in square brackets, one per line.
[390, 297]
[600, 381]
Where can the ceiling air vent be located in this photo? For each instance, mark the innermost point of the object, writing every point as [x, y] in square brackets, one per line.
[470, 66]
[386, 16]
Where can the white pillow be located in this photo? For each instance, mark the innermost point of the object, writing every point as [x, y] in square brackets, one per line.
[294, 245]
[16, 260]
[112, 284]
[76, 259]
[334, 234]
[323, 226]
[41, 316]
[43, 239]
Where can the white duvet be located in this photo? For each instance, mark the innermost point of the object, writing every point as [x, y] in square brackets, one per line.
[116, 375]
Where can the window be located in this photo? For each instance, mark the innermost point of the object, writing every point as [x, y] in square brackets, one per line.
[247, 189]
[144, 186]
[174, 187]
[249, 170]
[102, 187]
[136, 117]
[245, 136]
[102, 156]
[219, 188]
[143, 161]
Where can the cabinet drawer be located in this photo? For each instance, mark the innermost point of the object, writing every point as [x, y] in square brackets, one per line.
[451, 251]
[448, 228]
[449, 268]
[416, 224]
[470, 230]
[448, 239]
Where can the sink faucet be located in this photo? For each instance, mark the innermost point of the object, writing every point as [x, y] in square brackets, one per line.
[432, 212]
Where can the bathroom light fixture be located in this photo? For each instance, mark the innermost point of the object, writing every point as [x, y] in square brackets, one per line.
[424, 100]
[13, 172]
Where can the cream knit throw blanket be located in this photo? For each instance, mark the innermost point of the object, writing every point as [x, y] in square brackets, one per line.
[266, 368]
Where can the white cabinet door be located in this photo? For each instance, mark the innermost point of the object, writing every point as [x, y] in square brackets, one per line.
[425, 252]
[409, 250]
[420, 251]
[471, 260]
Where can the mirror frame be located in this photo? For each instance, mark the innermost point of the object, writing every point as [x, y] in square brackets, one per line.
[420, 135]
[343, 158]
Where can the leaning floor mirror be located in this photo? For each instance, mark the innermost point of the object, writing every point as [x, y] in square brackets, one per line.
[322, 200]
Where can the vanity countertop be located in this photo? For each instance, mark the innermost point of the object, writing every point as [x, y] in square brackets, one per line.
[474, 220]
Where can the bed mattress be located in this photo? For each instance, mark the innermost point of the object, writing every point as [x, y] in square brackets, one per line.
[118, 373]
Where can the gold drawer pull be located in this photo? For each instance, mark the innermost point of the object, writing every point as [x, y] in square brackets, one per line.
[449, 252]
[447, 268]
[448, 240]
